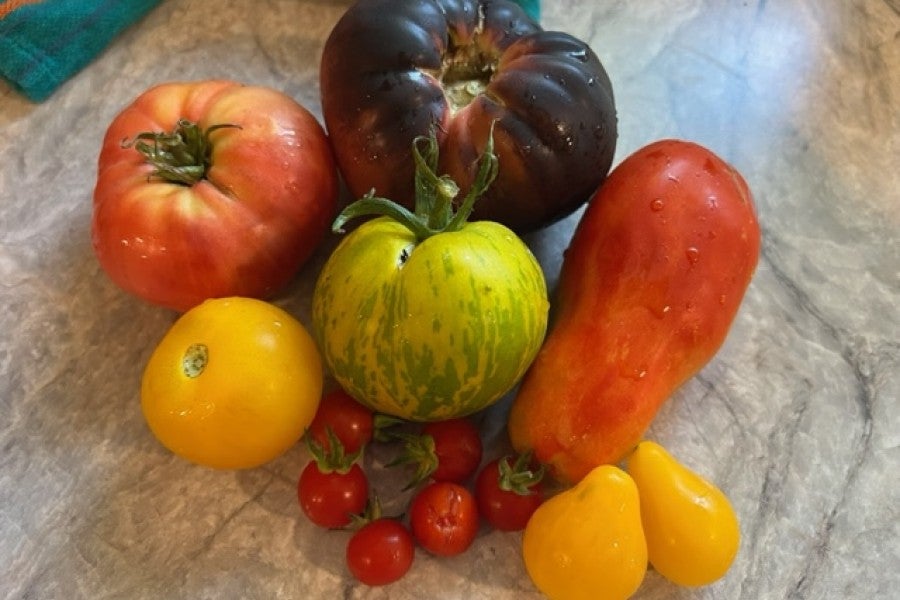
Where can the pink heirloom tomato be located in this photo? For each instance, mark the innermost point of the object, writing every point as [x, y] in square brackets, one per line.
[393, 69]
[210, 189]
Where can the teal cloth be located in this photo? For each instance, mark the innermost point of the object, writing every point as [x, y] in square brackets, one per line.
[532, 8]
[42, 44]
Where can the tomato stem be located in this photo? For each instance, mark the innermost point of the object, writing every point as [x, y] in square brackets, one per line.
[433, 212]
[182, 156]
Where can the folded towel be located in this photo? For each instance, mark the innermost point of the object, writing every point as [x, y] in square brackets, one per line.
[44, 42]
[532, 8]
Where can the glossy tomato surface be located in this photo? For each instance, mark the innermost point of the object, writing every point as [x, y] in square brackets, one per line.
[233, 384]
[443, 517]
[381, 552]
[266, 195]
[393, 69]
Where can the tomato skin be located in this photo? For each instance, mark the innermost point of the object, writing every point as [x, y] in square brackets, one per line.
[504, 510]
[257, 391]
[329, 498]
[587, 543]
[548, 98]
[407, 357]
[457, 444]
[444, 518]
[351, 422]
[692, 530]
[245, 229]
[380, 552]
[675, 228]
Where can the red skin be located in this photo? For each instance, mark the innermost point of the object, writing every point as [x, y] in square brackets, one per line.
[329, 498]
[351, 422]
[649, 287]
[504, 510]
[444, 518]
[380, 552]
[457, 444]
[265, 204]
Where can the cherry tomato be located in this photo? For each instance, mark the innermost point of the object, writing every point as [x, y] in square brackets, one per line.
[443, 451]
[330, 497]
[508, 493]
[444, 518]
[351, 422]
[457, 445]
[380, 552]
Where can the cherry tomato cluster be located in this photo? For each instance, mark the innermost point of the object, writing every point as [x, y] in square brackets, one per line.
[444, 513]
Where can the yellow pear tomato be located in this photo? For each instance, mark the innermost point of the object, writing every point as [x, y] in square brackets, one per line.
[692, 530]
[586, 542]
[233, 384]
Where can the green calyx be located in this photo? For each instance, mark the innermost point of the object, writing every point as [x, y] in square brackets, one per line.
[333, 458]
[182, 156]
[518, 477]
[418, 451]
[435, 194]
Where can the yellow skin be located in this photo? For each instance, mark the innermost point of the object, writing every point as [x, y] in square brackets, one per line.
[587, 542]
[691, 528]
[233, 384]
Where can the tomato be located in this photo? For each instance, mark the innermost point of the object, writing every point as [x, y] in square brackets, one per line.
[219, 189]
[649, 286]
[232, 384]
[351, 422]
[427, 316]
[692, 530]
[392, 69]
[457, 446]
[444, 518]
[508, 492]
[380, 552]
[443, 451]
[587, 543]
[330, 497]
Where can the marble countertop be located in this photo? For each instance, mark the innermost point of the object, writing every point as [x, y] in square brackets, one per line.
[797, 418]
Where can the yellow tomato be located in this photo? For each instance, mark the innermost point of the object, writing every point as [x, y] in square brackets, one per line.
[233, 384]
[692, 530]
[586, 542]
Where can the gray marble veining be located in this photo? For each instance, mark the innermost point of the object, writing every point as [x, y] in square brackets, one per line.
[796, 418]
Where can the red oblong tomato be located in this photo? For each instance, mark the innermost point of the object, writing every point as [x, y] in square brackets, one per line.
[240, 187]
[393, 69]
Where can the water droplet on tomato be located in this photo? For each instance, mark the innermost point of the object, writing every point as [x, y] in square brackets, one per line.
[657, 204]
[693, 254]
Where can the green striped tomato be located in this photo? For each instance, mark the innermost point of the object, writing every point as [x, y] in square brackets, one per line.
[429, 329]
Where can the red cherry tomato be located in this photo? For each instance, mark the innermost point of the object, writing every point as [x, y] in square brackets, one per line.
[507, 496]
[380, 552]
[457, 445]
[444, 518]
[329, 498]
[351, 422]
[443, 451]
